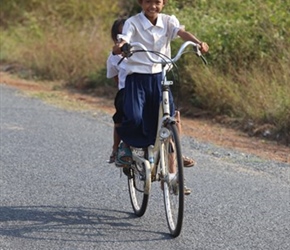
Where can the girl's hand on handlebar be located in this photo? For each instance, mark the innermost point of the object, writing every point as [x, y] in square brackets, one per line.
[204, 47]
[116, 50]
[126, 50]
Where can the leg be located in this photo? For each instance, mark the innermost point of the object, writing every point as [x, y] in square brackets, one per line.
[116, 142]
[178, 124]
[117, 118]
[187, 161]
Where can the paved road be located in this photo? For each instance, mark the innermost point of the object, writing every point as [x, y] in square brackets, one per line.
[58, 192]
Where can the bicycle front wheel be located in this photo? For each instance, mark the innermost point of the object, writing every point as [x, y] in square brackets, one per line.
[173, 180]
[137, 183]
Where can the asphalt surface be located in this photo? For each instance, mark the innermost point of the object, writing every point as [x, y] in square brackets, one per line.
[58, 192]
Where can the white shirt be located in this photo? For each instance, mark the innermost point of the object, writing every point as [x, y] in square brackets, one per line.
[155, 37]
[113, 69]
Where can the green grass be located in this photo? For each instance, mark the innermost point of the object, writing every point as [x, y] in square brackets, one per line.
[248, 74]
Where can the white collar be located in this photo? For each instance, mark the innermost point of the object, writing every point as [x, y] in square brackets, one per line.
[147, 24]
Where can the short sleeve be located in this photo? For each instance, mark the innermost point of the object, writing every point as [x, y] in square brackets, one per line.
[112, 69]
[174, 27]
[128, 31]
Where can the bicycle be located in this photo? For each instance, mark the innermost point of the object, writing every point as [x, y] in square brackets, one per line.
[162, 161]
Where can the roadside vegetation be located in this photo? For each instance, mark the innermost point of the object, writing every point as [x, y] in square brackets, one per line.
[247, 81]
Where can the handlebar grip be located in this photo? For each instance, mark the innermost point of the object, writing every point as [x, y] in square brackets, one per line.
[126, 49]
[199, 54]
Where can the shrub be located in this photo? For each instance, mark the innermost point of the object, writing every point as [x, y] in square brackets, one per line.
[248, 73]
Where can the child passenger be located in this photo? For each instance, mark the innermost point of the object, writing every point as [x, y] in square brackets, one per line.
[113, 71]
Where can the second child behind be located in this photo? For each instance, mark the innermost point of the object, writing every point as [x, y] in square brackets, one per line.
[113, 71]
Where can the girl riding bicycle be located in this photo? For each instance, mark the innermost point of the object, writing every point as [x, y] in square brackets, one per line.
[142, 92]
[113, 71]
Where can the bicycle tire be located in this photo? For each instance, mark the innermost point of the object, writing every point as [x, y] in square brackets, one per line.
[173, 188]
[136, 185]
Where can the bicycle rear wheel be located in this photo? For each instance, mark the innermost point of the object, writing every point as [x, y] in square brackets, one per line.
[136, 184]
[173, 180]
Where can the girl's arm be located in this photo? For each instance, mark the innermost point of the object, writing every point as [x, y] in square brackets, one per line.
[186, 36]
[116, 79]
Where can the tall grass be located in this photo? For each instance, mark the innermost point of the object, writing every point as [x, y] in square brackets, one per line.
[65, 40]
[57, 54]
[247, 77]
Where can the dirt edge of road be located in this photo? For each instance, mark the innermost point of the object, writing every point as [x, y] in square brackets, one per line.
[201, 129]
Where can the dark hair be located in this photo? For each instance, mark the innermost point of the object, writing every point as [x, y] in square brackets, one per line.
[115, 28]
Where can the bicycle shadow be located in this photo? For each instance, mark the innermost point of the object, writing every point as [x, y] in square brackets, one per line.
[73, 224]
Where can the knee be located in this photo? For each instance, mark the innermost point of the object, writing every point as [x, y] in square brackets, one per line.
[132, 121]
[136, 120]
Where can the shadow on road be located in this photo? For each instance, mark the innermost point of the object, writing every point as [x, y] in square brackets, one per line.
[74, 224]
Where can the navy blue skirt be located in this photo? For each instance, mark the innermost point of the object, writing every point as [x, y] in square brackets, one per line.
[142, 97]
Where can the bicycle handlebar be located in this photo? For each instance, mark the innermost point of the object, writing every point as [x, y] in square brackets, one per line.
[127, 50]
